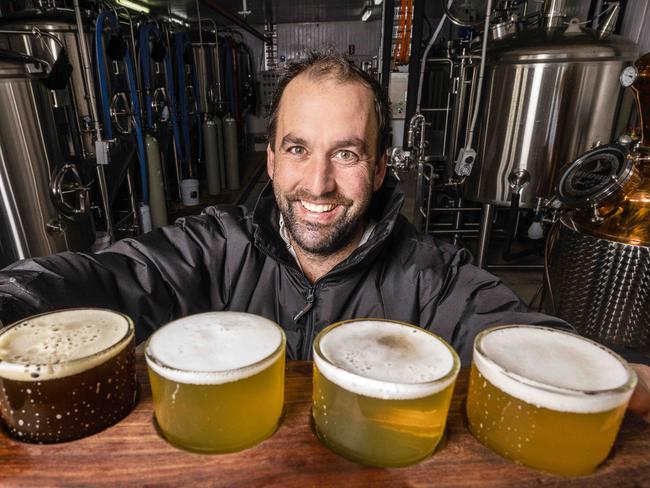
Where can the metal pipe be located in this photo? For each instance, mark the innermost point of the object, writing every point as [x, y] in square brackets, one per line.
[214, 5]
[87, 74]
[484, 234]
[388, 16]
[216, 43]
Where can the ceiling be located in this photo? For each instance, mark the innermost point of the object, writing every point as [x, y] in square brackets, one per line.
[275, 11]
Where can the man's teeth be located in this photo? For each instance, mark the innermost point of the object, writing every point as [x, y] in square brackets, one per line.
[313, 207]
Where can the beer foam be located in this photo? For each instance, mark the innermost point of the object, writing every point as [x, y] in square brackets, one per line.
[553, 369]
[386, 360]
[214, 347]
[62, 343]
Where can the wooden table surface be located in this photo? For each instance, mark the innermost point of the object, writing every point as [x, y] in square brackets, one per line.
[132, 453]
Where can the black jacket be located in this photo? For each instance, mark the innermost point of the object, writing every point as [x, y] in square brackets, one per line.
[227, 259]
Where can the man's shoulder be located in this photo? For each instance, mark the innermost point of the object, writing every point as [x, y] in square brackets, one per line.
[415, 246]
[224, 219]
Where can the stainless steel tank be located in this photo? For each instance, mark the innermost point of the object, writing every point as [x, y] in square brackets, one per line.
[550, 94]
[600, 271]
[62, 24]
[43, 203]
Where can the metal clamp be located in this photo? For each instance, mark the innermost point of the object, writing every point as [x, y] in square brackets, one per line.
[68, 192]
[119, 109]
[159, 104]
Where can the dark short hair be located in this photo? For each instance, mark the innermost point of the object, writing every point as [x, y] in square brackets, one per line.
[330, 63]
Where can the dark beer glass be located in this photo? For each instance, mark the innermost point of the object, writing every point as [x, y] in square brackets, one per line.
[65, 375]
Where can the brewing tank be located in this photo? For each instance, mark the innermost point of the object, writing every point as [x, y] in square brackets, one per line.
[62, 24]
[44, 206]
[550, 94]
[600, 269]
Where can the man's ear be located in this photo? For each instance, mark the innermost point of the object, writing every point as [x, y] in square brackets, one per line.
[270, 160]
[380, 172]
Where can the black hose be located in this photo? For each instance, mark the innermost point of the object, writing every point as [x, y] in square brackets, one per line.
[510, 236]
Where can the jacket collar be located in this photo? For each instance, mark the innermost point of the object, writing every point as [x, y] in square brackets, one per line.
[384, 209]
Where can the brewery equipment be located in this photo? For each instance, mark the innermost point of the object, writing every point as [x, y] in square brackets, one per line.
[44, 204]
[600, 271]
[551, 93]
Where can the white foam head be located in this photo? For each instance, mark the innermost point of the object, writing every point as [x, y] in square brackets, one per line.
[214, 347]
[553, 369]
[62, 343]
[384, 359]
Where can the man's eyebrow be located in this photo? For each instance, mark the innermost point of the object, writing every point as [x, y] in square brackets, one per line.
[353, 142]
[292, 139]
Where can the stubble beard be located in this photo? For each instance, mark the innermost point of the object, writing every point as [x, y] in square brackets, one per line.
[322, 240]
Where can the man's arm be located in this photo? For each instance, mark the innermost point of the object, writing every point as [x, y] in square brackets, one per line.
[472, 300]
[640, 401]
[153, 278]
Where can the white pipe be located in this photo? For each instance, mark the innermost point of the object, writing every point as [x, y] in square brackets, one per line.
[423, 64]
[477, 101]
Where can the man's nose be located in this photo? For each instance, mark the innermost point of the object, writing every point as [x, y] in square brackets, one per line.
[320, 179]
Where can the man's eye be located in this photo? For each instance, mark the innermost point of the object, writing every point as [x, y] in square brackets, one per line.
[297, 150]
[345, 155]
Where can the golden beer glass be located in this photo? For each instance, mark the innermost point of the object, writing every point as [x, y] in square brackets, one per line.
[66, 374]
[217, 380]
[381, 390]
[546, 398]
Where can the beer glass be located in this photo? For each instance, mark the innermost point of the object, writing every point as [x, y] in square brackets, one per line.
[381, 390]
[217, 380]
[546, 398]
[66, 374]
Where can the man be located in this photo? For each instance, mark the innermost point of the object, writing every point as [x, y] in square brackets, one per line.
[324, 243]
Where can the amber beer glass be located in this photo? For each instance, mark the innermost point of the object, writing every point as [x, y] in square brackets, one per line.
[546, 398]
[381, 390]
[217, 380]
[66, 374]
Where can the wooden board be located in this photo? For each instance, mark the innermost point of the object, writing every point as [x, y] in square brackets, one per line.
[132, 453]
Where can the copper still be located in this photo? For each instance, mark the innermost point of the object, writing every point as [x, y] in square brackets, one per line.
[600, 270]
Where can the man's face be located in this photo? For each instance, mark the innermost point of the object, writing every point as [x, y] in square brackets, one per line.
[324, 166]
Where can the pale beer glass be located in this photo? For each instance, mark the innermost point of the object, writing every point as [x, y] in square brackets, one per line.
[217, 380]
[66, 374]
[546, 398]
[381, 390]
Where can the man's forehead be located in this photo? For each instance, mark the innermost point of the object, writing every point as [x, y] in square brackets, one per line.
[307, 85]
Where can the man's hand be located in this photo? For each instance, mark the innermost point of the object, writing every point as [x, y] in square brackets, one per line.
[640, 401]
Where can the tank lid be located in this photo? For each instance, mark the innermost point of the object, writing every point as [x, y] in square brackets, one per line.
[561, 44]
[594, 176]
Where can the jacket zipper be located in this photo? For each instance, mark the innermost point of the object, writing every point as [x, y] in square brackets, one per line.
[306, 350]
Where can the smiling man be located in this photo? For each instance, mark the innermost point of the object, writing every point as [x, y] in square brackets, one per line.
[325, 242]
[325, 171]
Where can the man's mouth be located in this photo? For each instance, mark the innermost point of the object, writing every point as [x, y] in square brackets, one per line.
[318, 207]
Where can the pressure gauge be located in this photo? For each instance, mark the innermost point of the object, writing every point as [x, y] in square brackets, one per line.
[628, 76]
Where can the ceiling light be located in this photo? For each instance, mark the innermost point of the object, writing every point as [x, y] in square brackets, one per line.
[378, 2]
[367, 12]
[134, 6]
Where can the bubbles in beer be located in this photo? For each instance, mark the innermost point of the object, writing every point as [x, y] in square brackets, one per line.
[214, 347]
[551, 369]
[50, 367]
[385, 359]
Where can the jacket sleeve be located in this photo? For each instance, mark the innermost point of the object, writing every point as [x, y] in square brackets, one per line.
[471, 300]
[153, 278]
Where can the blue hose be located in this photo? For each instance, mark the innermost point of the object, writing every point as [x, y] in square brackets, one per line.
[133, 89]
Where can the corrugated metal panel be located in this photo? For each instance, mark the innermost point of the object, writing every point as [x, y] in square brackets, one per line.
[295, 39]
[636, 23]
